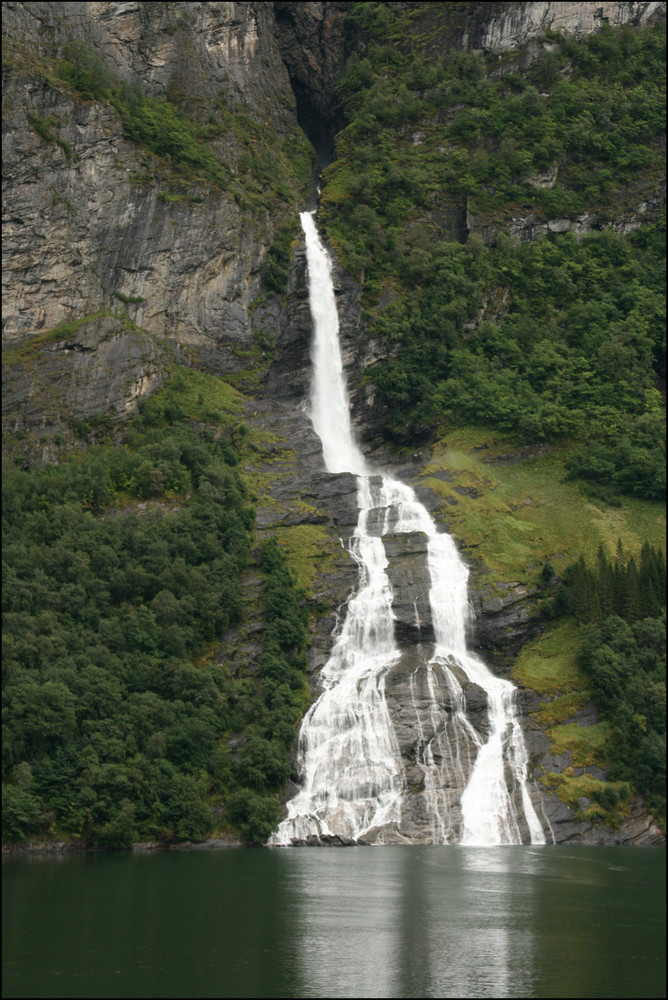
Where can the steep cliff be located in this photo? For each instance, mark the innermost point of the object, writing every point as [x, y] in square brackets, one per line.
[98, 223]
[143, 204]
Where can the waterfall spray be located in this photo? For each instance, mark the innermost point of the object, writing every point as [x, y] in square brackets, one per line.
[353, 781]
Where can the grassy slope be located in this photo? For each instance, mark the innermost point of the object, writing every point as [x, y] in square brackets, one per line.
[518, 515]
[527, 513]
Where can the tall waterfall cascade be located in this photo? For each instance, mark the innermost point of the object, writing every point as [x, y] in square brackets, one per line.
[390, 752]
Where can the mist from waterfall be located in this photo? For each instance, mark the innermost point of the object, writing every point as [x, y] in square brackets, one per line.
[353, 779]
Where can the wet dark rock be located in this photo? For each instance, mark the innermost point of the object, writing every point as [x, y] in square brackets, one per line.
[419, 725]
[587, 716]
[592, 771]
[409, 578]
[468, 491]
[639, 829]
[505, 619]
[311, 41]
[328, 840]
[289, 376]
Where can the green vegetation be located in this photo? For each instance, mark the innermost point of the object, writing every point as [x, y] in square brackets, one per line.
[276, 265]
[548, 665]
[44, 126]
[268, 171]
[546, 370]
[281, 698]
[309, 548]
[555, 339]
[621, 588]
[158, 125]
[124, 565]
[32, 345]
[608, 800]
[515, 508]
[122, 569]
[610, 646]
[101, 707]
[200, 397]
[128, 299]
[272, 168]
[622, 651]
[428, 125]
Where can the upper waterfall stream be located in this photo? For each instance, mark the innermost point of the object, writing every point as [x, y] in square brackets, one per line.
[443, 779]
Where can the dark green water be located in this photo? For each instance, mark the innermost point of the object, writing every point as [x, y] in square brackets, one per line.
[355, 922]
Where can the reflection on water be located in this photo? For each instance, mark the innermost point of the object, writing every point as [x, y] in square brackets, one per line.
[356, 922]
[422, 922]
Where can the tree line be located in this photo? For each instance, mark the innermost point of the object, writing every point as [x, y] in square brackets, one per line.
[621, 604]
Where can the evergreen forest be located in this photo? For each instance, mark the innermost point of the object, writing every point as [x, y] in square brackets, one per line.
[621, 605]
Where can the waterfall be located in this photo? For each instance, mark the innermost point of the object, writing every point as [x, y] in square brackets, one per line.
[472, 785]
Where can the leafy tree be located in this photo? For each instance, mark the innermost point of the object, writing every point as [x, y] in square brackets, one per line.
[559, 338]
[254, 815]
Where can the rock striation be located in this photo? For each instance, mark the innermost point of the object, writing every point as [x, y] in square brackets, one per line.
[105, 367]
[514, 24]
[105, 225]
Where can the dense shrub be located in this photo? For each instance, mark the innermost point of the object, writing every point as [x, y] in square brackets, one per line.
[119, 567]
[556, 338]
[101, 614]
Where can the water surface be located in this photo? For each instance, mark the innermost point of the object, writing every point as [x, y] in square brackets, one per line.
[356, 922]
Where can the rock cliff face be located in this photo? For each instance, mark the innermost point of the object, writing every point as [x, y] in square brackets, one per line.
[512, 25]
[311, 40]
[98, 230]
[100, 225]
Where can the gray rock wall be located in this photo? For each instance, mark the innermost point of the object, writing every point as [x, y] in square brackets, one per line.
[512, 25]
[82, 229]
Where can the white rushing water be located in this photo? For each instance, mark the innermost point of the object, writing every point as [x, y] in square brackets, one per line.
[354, 783]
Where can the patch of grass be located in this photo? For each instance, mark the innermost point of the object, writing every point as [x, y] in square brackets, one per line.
[308, 548]
[276, 265]
[608, 799]
[586, 743]
[560, 709]
[180, 196]
[44, 126]
[547, 665]
[249, 381]
[202, 397]
[525, 513]
[143, 177]
[63, 331]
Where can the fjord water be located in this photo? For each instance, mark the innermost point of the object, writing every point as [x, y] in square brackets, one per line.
[407, 921]
[353, 781]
